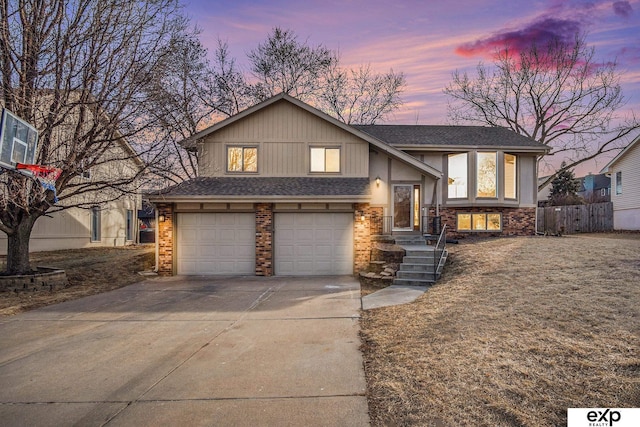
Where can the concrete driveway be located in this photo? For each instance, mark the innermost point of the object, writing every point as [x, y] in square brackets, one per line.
[189, 351]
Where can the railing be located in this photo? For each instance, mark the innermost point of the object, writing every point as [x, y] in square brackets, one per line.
[438, 252]
[425, 225]
[384, 225]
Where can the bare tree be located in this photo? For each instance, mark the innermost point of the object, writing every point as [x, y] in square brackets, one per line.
[229, 93]
[360, 96]
[556, 94]
[79, 71]
[178, 105]
[283, 64]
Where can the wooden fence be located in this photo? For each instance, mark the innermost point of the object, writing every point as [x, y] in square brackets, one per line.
[576, 219]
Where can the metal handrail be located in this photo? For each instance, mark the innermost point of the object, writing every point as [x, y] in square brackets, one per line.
[442, 239]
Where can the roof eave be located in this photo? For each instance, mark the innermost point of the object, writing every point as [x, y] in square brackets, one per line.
[258, 198]
[446, 147]
[608, 166]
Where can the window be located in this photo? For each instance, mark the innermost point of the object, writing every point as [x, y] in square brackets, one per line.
[129, 230]
[457, 166]
[242, 159]
[619, 182]
[479, 222]
[96, 221]
[325, 159]
[510, 176]
[486, 175]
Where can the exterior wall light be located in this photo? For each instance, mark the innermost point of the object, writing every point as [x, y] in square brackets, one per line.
[161, 218]
[377, 181]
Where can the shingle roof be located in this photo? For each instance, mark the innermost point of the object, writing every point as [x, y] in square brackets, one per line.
[274, 186]
[463, 136]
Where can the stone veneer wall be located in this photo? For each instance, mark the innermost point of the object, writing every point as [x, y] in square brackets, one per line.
[362, 234]
[165, 239]
[515, 221]
[264, 239]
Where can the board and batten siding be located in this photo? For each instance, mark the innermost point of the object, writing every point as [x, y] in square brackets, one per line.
[283, 134]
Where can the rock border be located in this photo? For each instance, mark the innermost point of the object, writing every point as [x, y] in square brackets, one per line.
[46, 279]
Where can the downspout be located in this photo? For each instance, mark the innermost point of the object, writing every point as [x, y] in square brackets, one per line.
[538, 158]
[157, 240]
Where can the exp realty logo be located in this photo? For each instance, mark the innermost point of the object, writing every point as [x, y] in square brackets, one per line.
[603, 417]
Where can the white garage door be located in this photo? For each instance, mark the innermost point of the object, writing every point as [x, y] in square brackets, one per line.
[313, 244]
[216, 243]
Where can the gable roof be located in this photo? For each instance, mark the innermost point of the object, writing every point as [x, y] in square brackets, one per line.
[381, 145]
[267, 188]
[448, 137]
[625, 150]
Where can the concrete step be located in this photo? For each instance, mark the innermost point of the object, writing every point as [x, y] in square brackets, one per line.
[415, 275]
[416, 267]
[410, 240]
[413, 282]
[418, 260]
[426, 251]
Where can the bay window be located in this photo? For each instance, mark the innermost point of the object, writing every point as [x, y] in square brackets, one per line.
[486, 175]
[457, 182]
[476, 176]
[510, 176]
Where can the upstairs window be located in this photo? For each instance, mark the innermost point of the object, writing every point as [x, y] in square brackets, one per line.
[619, 182]
[325, 159]
[457, 182]
[242, 159]
[487, 175]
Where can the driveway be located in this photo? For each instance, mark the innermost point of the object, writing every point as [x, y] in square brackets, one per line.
[189, 351]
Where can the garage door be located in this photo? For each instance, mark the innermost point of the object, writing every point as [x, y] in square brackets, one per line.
[313, 244]
[216, 243]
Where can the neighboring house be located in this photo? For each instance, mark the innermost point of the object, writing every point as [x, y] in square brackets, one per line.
[624, 171]
[112, 223]
[285, 189]
[595, 188]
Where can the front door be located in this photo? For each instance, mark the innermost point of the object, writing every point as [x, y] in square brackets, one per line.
[406, 207]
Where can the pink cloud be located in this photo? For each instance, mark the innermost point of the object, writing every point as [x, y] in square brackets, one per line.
[539, 32]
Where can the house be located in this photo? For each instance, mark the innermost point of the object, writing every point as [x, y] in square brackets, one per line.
[624, 171]
[595, 188]
[108, 220]
[285, 189]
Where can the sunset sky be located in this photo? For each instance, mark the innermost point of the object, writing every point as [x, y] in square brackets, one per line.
[428, 40]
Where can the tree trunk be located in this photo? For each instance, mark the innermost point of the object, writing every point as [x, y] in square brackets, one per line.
[18, 246]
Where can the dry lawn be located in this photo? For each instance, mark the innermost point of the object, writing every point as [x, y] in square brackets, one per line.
[89, 271]
[517, 331]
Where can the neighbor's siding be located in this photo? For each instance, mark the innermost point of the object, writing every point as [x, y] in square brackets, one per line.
[71, 228]
[283, 134]
[629, 164]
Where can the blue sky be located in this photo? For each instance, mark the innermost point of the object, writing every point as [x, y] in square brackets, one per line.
[428, 40]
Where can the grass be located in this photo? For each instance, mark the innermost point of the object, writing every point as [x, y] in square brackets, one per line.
[517, 331]
[89, 271]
